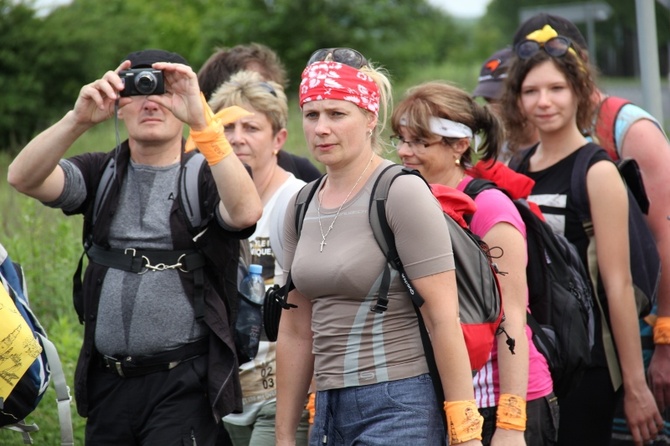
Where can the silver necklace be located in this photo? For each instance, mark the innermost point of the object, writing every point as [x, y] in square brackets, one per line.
[337, 214]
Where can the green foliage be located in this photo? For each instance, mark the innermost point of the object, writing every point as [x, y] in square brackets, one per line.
[47, 245]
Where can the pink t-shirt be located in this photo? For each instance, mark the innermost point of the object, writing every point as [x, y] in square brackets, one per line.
[494, 207]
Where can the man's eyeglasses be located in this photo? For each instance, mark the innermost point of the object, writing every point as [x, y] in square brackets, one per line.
[555, 47]
[347, 56]
[416, 146]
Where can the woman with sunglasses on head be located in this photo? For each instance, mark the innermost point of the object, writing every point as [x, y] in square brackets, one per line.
[549, 85]
[256, 140]
[435, 126]
[372, 379]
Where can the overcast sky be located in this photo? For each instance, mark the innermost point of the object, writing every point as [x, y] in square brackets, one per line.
[458, 8]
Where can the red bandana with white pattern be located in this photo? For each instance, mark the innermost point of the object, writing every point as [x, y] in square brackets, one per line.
[334, 80]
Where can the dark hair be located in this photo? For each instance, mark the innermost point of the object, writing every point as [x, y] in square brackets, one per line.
[579, 75]
[146, 58]
[442, 100]
[227, 61]
[563, 27]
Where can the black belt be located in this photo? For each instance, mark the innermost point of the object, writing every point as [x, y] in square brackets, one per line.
[133, 366]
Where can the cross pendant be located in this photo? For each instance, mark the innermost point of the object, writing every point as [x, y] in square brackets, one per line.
[323, 243]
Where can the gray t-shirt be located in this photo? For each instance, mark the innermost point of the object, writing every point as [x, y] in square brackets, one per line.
[139, 314]
[352, 345]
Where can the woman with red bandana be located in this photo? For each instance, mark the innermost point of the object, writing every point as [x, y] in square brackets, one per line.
[437, 128]
[372, 380]
[551, 86]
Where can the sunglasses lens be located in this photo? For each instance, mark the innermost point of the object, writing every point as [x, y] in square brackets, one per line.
[349, 57]
[346, 56]
[557, 46]
[319, 55]
[527, 48]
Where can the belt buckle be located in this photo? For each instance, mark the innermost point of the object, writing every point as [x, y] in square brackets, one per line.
[114, 365]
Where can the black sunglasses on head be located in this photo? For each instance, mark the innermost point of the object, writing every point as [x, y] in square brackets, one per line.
[347, 56]
[555, 47]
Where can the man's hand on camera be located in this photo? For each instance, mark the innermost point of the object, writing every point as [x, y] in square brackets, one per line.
[182, 94]
[96, 100]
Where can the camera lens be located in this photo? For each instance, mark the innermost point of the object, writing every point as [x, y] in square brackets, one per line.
[145, 82]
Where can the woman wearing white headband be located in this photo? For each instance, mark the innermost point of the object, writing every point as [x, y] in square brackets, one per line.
[437, 128]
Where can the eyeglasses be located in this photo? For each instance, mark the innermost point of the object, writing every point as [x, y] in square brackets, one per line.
[347, 56]
[555, 47]
[416, 146]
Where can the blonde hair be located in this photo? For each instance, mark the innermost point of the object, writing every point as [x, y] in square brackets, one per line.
[380, 77]
[248, 88]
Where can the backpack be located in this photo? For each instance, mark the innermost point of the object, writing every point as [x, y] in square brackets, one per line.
[190, 203]
[27, 382]
[559, 297]
[480, 302]
[645, 261]
[608, 113]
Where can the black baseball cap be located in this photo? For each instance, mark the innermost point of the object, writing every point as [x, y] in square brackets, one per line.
[492, 75]
[146, 58]
[563, 27]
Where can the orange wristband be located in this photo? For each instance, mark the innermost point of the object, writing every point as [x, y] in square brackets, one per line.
[464, 423]
[212, 141]
[311, 407]
[511, 412]
[662, 330]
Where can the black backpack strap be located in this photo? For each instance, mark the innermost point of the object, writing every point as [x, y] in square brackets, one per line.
[384, 235]
[106, 180]
[521, 160]
[276, 297]
[579, 194]
[477, 186]
[386, 240]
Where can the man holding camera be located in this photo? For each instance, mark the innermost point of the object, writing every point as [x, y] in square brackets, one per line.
[158, 363]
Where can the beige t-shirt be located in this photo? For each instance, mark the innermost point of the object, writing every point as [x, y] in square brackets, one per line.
[352, 345]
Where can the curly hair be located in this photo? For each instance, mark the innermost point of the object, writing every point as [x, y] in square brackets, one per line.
[579, 74]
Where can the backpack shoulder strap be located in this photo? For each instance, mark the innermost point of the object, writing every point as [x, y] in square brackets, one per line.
[304, 197]
[280, 296]
[189, 190]
[106, 180]
[608, 112]
[578, 191]
[521, 160]
[384, 234]
[477, 186]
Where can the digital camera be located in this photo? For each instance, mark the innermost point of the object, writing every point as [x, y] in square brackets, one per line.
[142, 82]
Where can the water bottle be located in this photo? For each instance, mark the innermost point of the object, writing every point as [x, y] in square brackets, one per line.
[250, 317]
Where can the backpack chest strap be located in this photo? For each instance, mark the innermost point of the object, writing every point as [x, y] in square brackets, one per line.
[141, 261]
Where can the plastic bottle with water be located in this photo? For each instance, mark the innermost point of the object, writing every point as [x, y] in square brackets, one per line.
[250, 316]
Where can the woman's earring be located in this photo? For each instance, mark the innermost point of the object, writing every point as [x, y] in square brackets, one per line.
[369, 133]
[457, 161]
